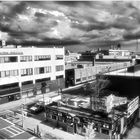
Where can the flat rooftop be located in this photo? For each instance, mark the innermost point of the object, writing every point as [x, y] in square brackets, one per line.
[123, 72]
[82, 112]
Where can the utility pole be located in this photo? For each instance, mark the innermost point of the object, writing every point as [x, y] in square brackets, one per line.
[43, 90]
[22, 104]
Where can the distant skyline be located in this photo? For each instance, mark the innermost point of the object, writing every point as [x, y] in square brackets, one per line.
[90, 23]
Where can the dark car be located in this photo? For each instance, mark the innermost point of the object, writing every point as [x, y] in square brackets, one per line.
[37, 108]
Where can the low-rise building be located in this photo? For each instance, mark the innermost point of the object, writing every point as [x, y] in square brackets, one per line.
[84, 121]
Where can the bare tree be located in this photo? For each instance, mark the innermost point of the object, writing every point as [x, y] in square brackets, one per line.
[98, 88]
[100, 85]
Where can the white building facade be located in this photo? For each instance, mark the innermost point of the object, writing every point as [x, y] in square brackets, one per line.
[30, 65]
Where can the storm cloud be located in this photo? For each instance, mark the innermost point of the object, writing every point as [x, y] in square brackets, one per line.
[69, 22]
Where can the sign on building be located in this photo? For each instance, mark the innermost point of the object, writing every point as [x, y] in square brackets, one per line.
[132, 106]
[109, 104]
[119, 101]
[113, 101]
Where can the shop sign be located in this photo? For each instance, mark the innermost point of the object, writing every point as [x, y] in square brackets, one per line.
[132, 106]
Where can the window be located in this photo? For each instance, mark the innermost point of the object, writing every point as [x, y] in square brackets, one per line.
[42, 57]
[25, 72]
[42, 80]
[41, 70]
[8, 59]
[2, 74]
[1, 59]
[8, 73]
[59, 68]
[25, 58]
[58, 57]
[48, 69]
[12, 59]
[78, 80]
[27, 83]
[60, 76]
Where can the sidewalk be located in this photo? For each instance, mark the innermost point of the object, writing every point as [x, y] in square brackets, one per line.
[31, 123]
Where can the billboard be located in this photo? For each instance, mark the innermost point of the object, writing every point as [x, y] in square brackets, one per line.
[132, 106]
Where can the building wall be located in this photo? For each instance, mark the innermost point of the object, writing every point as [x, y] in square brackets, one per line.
[31, 64]
[89, 73]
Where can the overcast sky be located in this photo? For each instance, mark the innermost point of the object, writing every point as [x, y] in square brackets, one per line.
[69, 22]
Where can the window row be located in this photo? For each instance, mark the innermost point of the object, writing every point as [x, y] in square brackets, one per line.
[42, 57]
[59, 68]
[25, 72]
[41, 70]
[25, 58]
[29, 71]
[59, 57]
[8, 73]
[8, 59]
[28, 58]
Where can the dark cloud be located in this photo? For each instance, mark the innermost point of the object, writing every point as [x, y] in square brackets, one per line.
[91, 26]
[91, 36]
[131, 36]
[46, 41]
[18, 8]
[73, 3]
[124, 23]
[67, 22]
[11, 10]
[4, 28]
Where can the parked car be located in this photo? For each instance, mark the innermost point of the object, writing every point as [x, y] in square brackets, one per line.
[37, 108]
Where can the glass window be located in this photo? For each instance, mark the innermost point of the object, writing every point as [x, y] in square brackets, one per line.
[25, 58]
[6, 59]
[59, 57]
[41, 70]
[25, 72]
[13, 59]
[7, 73]
[59, 68]
[2, 60]
[2, 73]
[42, 57]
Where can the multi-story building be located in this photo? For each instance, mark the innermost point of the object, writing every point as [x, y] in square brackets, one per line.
[22, 68]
